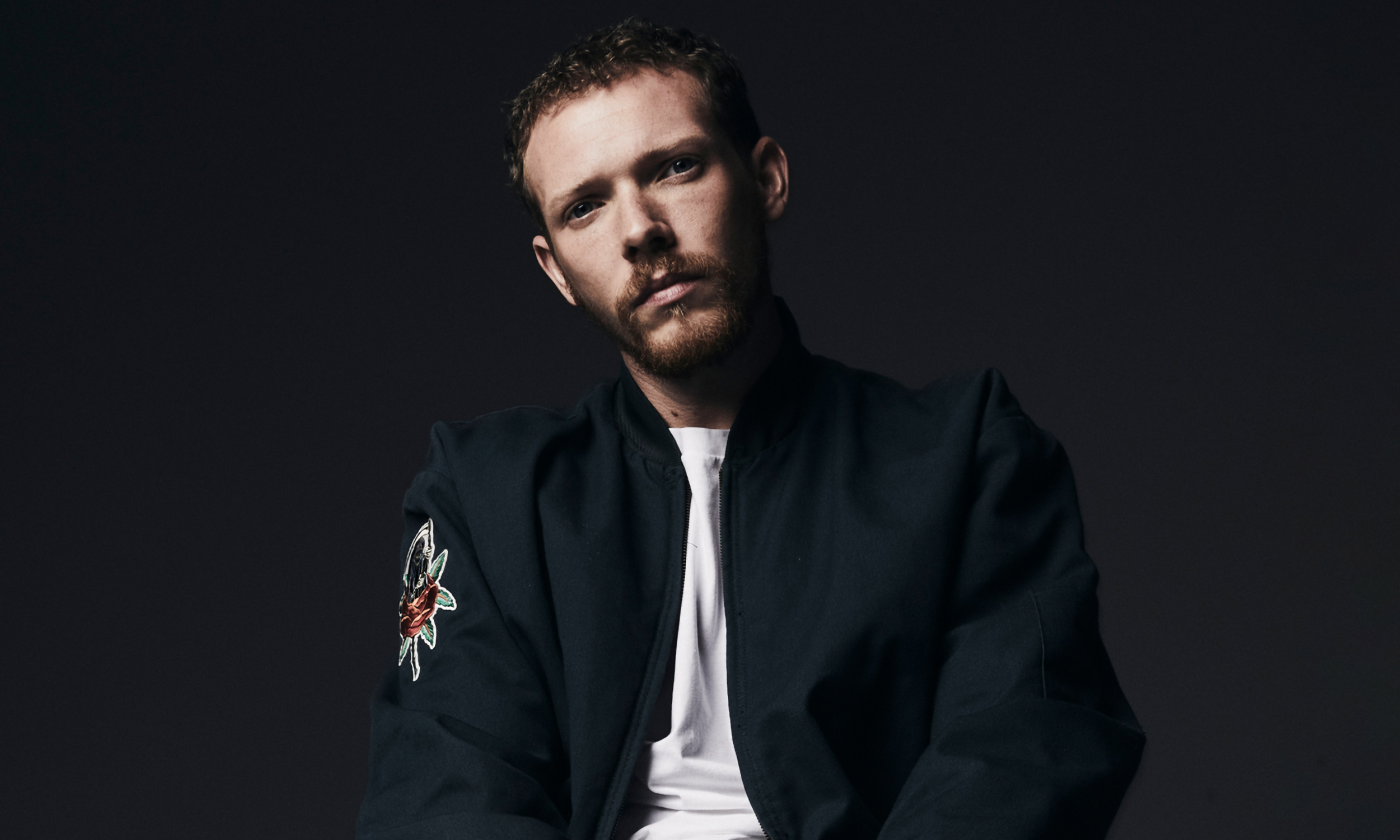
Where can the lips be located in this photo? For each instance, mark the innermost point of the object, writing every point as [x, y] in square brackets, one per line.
[664, 289]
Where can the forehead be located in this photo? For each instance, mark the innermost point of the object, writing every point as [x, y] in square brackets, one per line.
[609, 127]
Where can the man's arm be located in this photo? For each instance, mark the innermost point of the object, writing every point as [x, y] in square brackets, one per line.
[465, 743]
[1031, 736]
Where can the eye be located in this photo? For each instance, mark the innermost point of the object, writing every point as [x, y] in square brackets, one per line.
[680, 166]
[583, 208]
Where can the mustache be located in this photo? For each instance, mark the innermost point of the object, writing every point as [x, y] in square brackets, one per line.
[704, 265]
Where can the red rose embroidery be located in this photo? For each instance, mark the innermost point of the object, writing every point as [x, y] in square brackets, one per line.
[423, 596]
[413, 615]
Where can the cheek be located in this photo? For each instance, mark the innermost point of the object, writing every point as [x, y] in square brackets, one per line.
[586, 266]
[577, 261]
[714, 218]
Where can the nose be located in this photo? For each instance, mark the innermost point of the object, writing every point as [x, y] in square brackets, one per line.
[645, 231]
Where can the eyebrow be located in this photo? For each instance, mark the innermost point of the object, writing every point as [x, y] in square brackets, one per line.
[648, 158]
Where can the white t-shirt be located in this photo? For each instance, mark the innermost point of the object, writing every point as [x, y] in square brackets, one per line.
[686, 784]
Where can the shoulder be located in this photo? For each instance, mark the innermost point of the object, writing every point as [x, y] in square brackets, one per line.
[511, 439]
[972, 401]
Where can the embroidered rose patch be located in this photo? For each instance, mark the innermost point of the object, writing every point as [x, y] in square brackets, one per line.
[423, 596]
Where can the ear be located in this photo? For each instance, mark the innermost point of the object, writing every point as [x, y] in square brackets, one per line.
[544, 254]
[770, 168]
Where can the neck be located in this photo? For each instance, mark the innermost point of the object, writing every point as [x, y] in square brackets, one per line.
[710, 397]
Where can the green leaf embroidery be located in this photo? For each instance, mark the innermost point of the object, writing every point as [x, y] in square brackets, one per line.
[436, 570]
[429, 633]
[403, 648]
[445, 601]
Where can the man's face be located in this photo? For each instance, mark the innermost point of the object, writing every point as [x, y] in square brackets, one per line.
[656, 224]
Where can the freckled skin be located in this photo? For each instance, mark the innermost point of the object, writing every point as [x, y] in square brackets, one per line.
[659, 177]
[656, 229]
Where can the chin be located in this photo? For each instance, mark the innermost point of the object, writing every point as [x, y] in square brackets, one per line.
[690, 339]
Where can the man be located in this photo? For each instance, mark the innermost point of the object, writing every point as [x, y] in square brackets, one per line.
[741, 591]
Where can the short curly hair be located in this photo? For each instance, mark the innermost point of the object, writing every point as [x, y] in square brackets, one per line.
[615, 53]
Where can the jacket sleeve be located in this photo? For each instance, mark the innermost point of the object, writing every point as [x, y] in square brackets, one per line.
[1031, 736]
[463, 740]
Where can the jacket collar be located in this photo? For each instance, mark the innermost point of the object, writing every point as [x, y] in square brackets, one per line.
[769, 411]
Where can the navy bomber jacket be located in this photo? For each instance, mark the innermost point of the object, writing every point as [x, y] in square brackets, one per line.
[912, 626]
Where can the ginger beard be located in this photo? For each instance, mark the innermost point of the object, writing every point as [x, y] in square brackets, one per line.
[709, 332]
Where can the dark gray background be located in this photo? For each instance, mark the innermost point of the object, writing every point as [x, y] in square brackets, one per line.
[250, 256]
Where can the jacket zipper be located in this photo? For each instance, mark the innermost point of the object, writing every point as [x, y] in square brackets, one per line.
[685, 556]
[719, 534]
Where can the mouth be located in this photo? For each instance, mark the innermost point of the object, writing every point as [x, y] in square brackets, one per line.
[665, 289]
